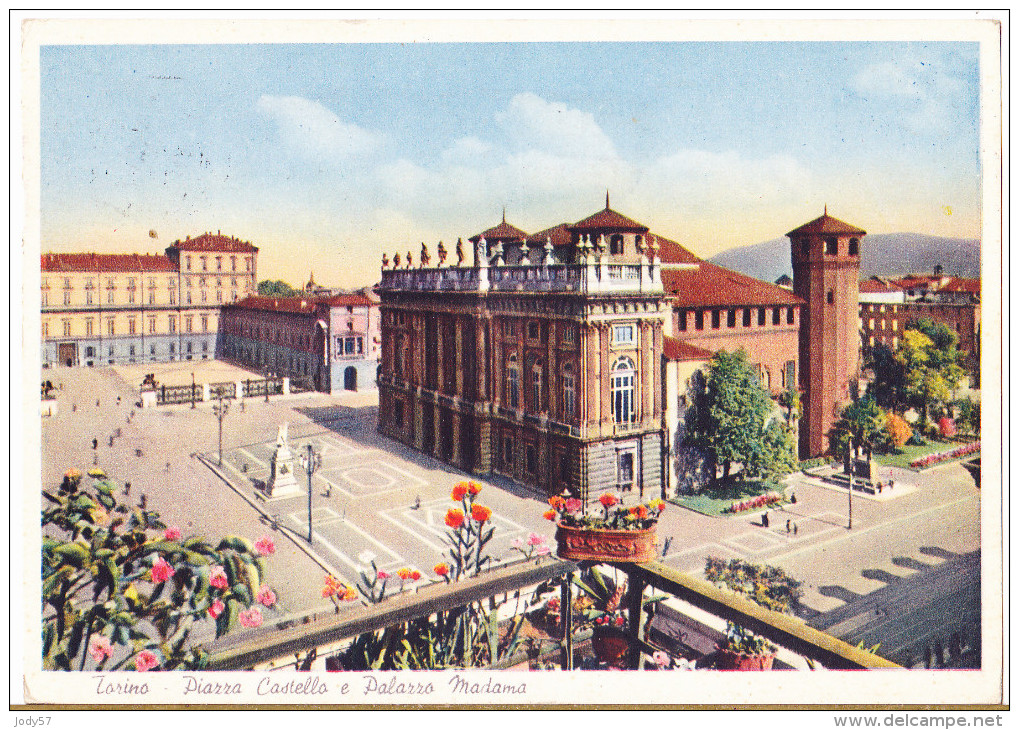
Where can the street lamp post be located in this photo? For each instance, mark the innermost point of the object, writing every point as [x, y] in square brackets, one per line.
[220, 410]
[849, 464]
[311, 462]
[192, 390]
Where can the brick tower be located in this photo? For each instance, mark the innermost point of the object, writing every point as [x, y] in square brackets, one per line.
[826, 272]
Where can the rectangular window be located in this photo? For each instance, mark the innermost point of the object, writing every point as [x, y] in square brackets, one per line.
[531, 458]
[152, 325]
[247, 264]
[349, 345]
[746, 317]
[533, 330]
[624, 462]
[205, 263]
[398, 413]
[130, 296]
[570, 333]
[205, 347]
[776, 316]
[507, 451]
[760, 317]
[569, 395]
[173, 324]
[173, 297]
[219, 263]
[233, 263]
[189, 347]
[152, 297]
[130, 325]
[110, 330]
[730, 318]
[187, 263]
[90, 351]
[698, 319]
[45, 299]
[67, 328]
[790, 374]
[681, 320]
[131, 351]
[109, 296]
[622, 334]
[173, 348]
[67, 298]
[204, 298]
[205, 323]
[188, 323]
[88, 297]
[509, 328]
[130, 282]
[789, 315]
[716, 319]
[536, 388]
[88, 327]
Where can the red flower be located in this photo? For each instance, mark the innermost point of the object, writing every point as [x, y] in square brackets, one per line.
[620, 620]
[217, 608]
[455, 518]
[145, 660]
[459, 491]
[558, 503]
[217, 577]
[252, 618]
[172, 533]
[415, 575]
[266, 596]
[441, 570]
[549, 515]
[608, 499]
[404, 573]
[161, 570]
[480, 513]
[473, 487]
[265, 545]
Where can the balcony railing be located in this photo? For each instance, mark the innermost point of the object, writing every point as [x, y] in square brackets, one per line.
[295, 642]
[580, 278]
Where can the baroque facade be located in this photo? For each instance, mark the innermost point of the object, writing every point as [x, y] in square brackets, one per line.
[106, 309]
[541, 361]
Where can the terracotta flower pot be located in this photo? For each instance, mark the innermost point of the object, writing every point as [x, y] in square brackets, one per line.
[734, 660]
[610, 648]
[613, 546]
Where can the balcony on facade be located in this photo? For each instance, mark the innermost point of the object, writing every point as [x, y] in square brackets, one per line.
[598, 273]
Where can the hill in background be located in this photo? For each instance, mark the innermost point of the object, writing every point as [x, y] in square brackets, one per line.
[883, 253]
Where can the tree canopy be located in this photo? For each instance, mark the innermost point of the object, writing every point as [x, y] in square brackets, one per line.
[276, 288]
[865, 422]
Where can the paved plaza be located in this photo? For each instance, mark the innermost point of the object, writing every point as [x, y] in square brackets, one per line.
[376, 500]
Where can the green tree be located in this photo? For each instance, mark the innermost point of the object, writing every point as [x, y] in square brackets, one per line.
[888, 384]
[276, 288]
[866, 423]
[734, 411]
[968, 414]
[120, 590]
[932, 366]
[778, 452]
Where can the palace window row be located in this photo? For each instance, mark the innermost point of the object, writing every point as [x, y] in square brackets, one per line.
[730, 317]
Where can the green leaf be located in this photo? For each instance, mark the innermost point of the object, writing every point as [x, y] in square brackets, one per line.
[72, 553]
[240, 544]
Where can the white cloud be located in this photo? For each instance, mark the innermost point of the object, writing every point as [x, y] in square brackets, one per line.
[313, 129]
[931, 99]
[536, 124]
[469, 151]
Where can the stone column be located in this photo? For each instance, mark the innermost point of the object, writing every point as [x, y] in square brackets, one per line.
[483, 358]
[458, 361]
[591, 382]
[457, 457]
[440, 346]
[604, 375]
[646, 374]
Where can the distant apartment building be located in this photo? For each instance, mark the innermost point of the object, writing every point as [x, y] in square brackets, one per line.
[332, 342]
[106, 309]
[888, 305]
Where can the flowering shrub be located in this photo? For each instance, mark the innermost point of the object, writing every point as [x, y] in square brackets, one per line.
[467, 536]
[956, 453]
[338, 592]
[898, 430]
[534, 546]
[946, 426]
[121, 588]
[614, 515]
[762, 500]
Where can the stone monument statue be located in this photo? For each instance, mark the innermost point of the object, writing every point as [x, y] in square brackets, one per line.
[282, 482]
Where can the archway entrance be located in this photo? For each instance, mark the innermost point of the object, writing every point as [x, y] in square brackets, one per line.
[350, 378]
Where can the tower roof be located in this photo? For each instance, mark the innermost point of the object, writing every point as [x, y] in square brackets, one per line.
[827, 224]
[609, 219]
[502, 232]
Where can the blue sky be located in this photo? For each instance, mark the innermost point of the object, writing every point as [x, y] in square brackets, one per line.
[326, 155]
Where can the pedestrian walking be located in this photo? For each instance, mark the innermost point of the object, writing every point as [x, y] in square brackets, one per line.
[127, 489]
[796, 528]
[97, 402]
[891, 483]
[74, 407]
[111, 442]
[764, 520]
[167, 469]
[793, 498]
[880, 486]
[788, 526]
[95, 444]
[143, 501]
[118, 400]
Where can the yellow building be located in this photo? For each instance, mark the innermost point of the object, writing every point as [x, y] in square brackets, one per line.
[105, 309]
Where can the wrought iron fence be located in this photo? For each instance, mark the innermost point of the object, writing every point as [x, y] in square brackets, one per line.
[259, 388]
[173, 394]
[303, 384]
[223, 390]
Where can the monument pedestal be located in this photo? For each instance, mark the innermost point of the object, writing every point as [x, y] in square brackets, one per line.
[282, 482]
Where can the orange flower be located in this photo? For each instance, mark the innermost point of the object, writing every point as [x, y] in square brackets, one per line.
[473, 487]
[640, 511]
[459, 491]
[608, 499]
[480, 513]
[558, 503]
[441, 569]
[415, 575]
[550, 515]
[455, 518]
[404, 573]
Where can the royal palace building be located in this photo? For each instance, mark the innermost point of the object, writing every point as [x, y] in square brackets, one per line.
[106, 309]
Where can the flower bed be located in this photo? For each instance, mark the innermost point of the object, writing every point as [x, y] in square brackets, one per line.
[956, 453]
[763, 500]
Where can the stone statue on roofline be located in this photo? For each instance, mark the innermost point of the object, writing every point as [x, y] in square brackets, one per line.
[385, 261]
[441, 250]
[396, 261]
[459, 251]
[426, 257]
[410, 260]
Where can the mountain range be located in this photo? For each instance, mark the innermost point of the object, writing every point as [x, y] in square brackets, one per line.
[883, 253]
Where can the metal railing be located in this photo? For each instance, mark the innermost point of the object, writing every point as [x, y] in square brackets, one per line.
[222, 390]
[176, 394]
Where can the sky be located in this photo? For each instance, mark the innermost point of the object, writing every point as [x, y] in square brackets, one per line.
[326, 155]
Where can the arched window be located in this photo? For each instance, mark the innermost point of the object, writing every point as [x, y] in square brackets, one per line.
[536, 386]
[513, 382]
[623, 391]
[569, 392]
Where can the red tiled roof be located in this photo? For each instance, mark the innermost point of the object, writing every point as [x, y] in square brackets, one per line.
[827, 224]
[214, 242]
[502, 232]
[609, 219]
[967, 285]
[348, 300]
[291, 305]
[106, 262]
[560, 235]
[710, 285]
[875, 285]
[677, 350]
[671, 252]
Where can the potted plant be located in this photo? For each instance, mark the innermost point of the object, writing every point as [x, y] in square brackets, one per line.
[599, 600]
[745, 651]
[616, 533]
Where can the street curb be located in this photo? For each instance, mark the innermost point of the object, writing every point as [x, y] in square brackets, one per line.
[294, 538]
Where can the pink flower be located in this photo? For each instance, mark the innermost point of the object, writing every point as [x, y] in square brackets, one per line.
[145, 660]
[99, 648]
[574, 505]
[266, 596]
[542, 550]
[172, 533]
[661, 659]
[161, 570]
[517, 543]
[620, 620]
[382, 575]
[535, 539]
[216, 608]
[252, 618]
[265, 545]
[217, 577]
